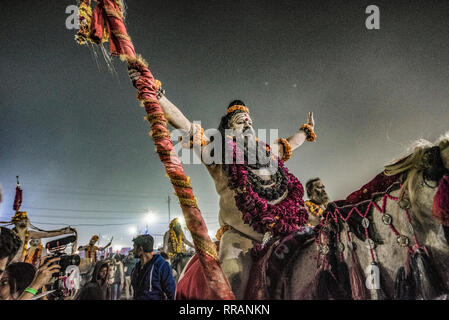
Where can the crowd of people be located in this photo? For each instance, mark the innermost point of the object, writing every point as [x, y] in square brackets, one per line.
[144, 274]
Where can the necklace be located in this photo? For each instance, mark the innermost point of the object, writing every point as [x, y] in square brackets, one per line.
[281, 218]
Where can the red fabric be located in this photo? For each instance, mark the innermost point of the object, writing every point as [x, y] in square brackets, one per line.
[17, 199]
[101, 21]
[193, 285]
[256, 289]
[441, 202]
[379, 184]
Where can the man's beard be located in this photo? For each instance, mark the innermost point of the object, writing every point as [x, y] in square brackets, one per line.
[321, 198]
[256, 155]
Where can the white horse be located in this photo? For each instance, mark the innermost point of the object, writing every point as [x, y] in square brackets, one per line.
[419, 190]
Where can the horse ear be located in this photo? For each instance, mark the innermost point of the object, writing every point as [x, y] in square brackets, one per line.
[445, 157]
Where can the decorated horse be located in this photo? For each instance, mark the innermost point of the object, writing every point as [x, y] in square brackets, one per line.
[388, 240]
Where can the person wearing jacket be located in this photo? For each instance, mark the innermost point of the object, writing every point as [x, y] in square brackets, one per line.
[152, 277]
[117, 277]
[129, 264]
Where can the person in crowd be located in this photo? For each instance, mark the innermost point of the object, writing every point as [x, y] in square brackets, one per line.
[118, 277]
[42, 277]
[10, 244]
[22, 227]
[98, 288]
[15, 280]
[152, 277]
[91, 249]
[129, 264]
[34, 252]
[175, 240]
[318, 200]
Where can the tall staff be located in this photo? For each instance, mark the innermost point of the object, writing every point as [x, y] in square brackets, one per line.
[105, 23]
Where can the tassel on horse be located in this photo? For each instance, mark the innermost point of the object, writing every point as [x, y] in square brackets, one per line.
[357, 280]
[404, 285]
[428, 282]
[326, 285]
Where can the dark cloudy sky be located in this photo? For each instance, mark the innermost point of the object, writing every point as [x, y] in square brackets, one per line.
[75, 134]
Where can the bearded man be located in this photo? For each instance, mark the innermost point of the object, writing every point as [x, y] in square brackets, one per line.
[257, 198]
[318, 200]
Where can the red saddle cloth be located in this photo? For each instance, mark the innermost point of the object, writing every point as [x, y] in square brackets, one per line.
[379, 185]
[193, 286]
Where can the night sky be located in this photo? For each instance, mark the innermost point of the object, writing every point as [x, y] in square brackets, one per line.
[74, 132]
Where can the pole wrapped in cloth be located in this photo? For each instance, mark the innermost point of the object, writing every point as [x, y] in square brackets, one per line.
[107, 23]
[17, 197]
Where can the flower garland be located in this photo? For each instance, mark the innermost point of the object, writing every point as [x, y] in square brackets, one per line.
[25, 243]
[177, 243]
[237, 107]
[287, 149]
[277, 219]
[308, 130]
[35, 257]
[314, 208]
[92, 252]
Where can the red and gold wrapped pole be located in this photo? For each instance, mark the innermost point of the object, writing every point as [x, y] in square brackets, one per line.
[107, 22]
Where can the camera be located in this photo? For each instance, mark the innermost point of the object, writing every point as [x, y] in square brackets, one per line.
[57, 247]
[68, 276]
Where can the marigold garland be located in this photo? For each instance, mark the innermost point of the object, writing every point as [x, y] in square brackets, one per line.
[314, 208]
[198, 138]
[237, 107]
[308, 130]
[177, 242]
[33, 259]
[278, 219]
[222, 230]
[25, 245]
[287, 149]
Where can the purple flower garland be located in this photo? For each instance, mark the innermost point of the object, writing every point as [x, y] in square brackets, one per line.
[279, 219]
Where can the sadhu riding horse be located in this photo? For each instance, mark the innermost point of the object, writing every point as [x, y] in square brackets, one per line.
[262, 214]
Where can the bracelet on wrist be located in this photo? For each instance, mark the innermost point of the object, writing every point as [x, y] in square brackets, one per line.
[197, 137]
[287, 152]
[159, 90]
[31, 290]
[308, 130]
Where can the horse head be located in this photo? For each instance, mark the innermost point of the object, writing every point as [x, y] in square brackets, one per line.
[422, 171]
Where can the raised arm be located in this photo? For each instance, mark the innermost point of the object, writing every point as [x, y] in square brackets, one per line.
[187, 242]
[102, 248]
[49, 234]
[81, 248]
[296, 140]
[172, 113]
